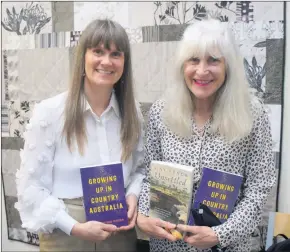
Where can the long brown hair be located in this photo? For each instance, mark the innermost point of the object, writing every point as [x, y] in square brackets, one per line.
[102, 32]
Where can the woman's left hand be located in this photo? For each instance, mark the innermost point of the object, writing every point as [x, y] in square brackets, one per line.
[132, 212]
[199, 236]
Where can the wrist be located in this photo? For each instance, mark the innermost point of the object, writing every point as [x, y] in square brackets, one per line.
[141, 217]
[141, 221]
[132, 195]
[76, 229]
[217, 240]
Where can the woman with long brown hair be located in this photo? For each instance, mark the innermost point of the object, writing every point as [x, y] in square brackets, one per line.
[96, 121]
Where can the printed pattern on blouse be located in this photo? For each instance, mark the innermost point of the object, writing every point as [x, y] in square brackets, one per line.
[250, 157]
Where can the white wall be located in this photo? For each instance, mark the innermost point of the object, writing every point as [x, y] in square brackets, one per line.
[284, 198]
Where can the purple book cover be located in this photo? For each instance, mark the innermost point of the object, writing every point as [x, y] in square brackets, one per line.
[104, 194]
[219, 191]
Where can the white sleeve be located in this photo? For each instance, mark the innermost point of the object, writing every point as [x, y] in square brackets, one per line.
[138, 170]
[39, 210]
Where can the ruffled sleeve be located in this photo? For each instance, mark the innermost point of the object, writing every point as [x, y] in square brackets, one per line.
[138, 169]
[39, 210]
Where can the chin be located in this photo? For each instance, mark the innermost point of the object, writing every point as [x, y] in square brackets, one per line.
[201, 96]
[104, 83]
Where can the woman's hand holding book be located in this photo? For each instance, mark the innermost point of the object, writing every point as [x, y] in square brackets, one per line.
[199, 236]
[93, 230]
[155, 227]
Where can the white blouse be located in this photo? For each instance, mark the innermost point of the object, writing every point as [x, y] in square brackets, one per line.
[49, 172]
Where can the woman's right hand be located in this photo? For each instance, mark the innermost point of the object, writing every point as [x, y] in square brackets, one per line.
[93, 230]
[155, 227]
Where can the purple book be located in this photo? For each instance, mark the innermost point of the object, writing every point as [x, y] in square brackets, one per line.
[219, 191]
[104, 194]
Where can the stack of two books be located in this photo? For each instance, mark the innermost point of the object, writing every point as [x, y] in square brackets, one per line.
[171, 193]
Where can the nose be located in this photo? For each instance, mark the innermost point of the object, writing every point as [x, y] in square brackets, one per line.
[106, 60]
[202, 68]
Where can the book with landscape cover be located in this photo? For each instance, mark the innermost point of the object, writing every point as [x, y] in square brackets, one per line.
[170, 191]
[104, 194]
[218, 190]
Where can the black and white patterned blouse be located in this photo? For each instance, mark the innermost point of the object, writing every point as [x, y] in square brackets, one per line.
[251, 157]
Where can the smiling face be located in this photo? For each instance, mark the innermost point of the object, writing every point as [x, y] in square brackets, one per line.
[204, 76]
[103, 67]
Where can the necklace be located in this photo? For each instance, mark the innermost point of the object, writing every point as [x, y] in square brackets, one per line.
[200, 131]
